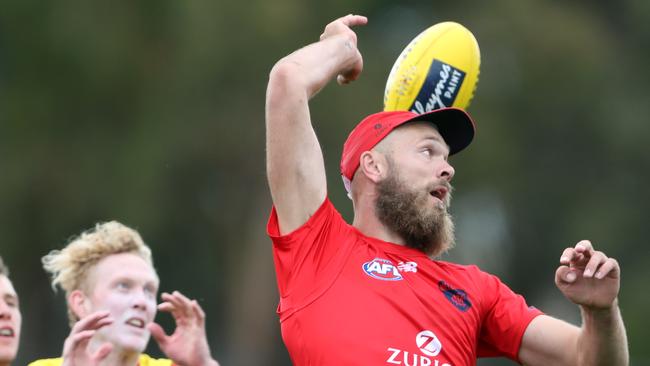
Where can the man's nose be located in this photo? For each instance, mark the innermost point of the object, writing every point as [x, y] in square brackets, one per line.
[446, 171]
[4, 311]
[140, 300]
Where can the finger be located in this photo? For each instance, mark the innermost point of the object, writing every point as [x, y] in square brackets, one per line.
[166, 297]
[585, 247]
[166, 307]
[352, 74]
[182, 303]
[76, 340]
[158, 333]
[574, 258]
[93, 325]
[352, 20]
[174, 307]
[198, 310]
[93, 321]
[346, 79]
[171, 303]
[102, 352]
[349, 20]
[101, 323]
[197, 314]
[333, 28]
[595, 261]
[343, 24]
[564, 275]
[609, 268]
[567, 256]
[80, 337]
[184, 300]
[175, 298]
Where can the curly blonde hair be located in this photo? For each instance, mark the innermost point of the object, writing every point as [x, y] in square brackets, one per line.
[69, 266]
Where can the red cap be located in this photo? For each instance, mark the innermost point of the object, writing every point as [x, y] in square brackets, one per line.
[454, 125]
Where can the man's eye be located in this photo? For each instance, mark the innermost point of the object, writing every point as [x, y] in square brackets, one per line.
[150, 291]
[123, 285]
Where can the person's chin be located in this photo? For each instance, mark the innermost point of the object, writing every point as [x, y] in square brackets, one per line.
[134, 342]
[7, 354]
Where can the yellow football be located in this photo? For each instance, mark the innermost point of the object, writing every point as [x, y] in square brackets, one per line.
[438, 68]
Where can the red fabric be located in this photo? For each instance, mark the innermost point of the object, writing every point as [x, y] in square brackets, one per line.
[348, 299]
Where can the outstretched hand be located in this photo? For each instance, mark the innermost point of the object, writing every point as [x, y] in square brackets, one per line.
[188, 345]
[588, 277]
[341, 27]
[75, 348]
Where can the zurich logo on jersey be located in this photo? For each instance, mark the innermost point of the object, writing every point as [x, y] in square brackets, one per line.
[382, 269]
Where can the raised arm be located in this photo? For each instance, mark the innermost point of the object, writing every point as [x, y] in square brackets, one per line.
[295, 167]
[591, 280]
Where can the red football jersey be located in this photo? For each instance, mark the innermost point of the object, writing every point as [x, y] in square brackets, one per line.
[349, 299]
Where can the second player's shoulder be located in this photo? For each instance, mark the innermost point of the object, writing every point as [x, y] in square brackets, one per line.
[47, 362]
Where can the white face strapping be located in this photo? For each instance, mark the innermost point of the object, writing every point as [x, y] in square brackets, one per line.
[348, 186]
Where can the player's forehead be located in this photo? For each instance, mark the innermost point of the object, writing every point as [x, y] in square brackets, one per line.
[125, 266]
[7, 288]
[415, 132]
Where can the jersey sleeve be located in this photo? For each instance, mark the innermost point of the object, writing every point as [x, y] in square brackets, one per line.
[308, 259]
[506, 318]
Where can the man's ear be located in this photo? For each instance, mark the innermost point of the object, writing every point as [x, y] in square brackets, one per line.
[79, 303]
[373, 165]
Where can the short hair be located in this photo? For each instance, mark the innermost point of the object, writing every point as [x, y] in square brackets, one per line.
[4, 270]
[69, 266]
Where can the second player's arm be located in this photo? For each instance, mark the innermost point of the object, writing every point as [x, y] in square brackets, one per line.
[591, 280]
[295, 167]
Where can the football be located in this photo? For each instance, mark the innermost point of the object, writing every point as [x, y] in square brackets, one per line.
[438, 68]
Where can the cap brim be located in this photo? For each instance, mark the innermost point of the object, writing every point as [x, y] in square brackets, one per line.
[454, 125]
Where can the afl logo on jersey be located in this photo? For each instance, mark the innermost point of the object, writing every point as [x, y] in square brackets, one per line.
[382, 269]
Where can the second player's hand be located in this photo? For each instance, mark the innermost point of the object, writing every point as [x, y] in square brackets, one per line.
[341, 27]
[588, 277]
[188, 345]
[75, 347]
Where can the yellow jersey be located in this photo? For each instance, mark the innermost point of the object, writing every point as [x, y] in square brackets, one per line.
[144, 360]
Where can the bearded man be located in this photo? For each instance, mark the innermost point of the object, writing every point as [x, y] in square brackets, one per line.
[372, 293]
